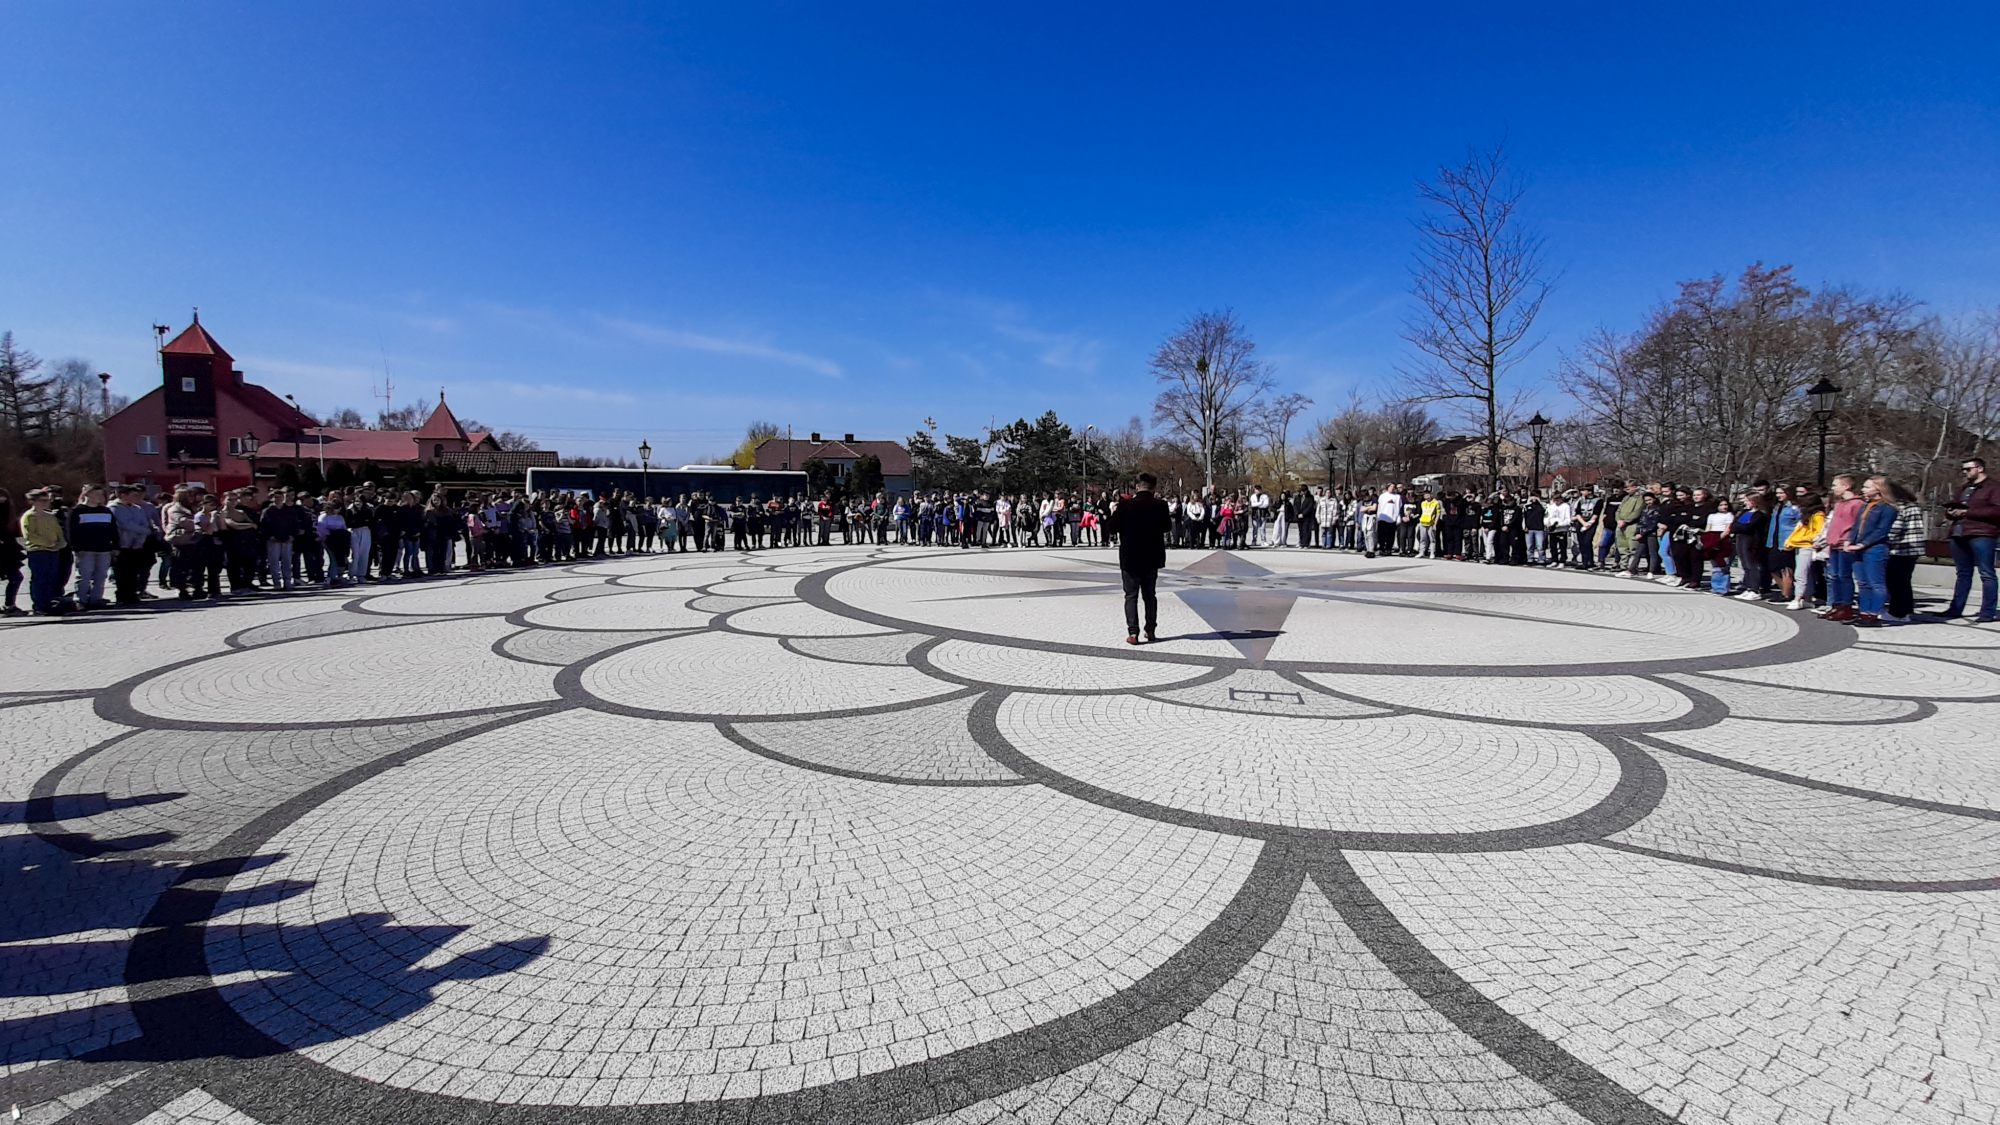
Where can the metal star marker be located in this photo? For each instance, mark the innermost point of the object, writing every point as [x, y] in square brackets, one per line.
[1248, 605]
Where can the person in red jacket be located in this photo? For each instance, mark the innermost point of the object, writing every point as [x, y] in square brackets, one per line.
[1975, 523]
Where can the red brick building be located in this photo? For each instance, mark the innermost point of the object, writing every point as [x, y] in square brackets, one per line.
[201, 423]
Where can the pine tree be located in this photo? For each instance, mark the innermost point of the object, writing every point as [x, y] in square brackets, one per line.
[24, 400]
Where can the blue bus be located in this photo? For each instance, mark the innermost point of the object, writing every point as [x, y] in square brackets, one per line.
[717, 482]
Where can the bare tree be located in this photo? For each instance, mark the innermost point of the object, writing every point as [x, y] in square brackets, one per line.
[1713, 385]
[407, 417]
[754, 435]
[512, 441]
[1210, 378]
[1479, 281]
[1387, 440]
[1404, 431]
[1123, 449]
[1273, 422]
[1950, 384]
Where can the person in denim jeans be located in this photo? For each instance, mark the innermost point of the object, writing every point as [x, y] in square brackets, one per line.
[1839, 534]
[1975, 522]
[43, 531]
[1869, 547]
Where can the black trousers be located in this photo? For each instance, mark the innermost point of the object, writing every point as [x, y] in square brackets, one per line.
[1141, 583]
[128, 573]
[1902, 589]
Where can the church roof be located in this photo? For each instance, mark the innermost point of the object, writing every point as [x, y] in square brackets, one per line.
[195, 340]
[442, 425]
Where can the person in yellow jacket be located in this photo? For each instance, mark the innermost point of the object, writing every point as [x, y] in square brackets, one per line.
[1430, 514]
[43, 531]
[1805, 542]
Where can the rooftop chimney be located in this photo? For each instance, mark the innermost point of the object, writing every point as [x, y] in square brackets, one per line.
[849, 437]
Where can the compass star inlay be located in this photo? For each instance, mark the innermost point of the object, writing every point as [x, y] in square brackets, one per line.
[1248, 605]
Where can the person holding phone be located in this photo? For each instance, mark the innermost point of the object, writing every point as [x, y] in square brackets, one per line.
[1975, 522]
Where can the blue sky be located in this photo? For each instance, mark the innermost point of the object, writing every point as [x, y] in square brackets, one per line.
[598, 222]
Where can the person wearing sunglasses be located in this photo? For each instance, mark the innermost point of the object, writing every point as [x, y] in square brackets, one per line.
[1975, 522]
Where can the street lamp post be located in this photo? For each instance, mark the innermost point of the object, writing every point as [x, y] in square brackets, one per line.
[250, 447]
[1331, 449]
[1084, 458]
[1536, 426]
[646, 470]
[182, 458]
[1825, 399]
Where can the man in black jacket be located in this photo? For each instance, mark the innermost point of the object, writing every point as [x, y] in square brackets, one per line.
[1141, 524]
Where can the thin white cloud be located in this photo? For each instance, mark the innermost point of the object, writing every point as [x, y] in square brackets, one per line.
[570, 392]
[1063, 351]
[310, 378]
[719, 345]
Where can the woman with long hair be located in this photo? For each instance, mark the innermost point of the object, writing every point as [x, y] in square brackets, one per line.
[1907, 538]
[1752, 526]
[1869, 546]
[1681, 522]
[1717, 530]
[1802, 542]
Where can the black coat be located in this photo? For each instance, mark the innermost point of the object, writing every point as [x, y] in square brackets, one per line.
[1141, 524]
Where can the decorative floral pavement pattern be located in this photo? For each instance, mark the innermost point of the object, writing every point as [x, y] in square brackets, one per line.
[853, 835]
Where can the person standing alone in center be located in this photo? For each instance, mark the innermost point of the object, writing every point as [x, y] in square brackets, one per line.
[1141, 524]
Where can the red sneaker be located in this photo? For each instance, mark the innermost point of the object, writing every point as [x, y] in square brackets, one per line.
[1132, 638]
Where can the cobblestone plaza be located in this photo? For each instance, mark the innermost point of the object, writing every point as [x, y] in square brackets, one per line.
[887, 835]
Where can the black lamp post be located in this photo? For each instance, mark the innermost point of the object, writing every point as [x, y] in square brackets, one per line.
[250, 446]
[1825, 399]
[1331, 449]
[1536, 426]
[1083, 450]
[646, 469]
[181, 458]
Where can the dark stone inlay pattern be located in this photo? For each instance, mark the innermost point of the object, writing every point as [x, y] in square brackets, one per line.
[1640, 784]
[1814, 638]
[281, 1088]
[1579, 1086]
[231, 1059]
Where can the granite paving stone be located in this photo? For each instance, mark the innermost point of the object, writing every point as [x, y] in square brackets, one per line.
[888, 835]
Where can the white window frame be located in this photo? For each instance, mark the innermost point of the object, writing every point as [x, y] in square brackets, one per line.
[149, 445]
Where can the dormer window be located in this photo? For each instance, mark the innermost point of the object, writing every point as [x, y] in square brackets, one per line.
[187, 384]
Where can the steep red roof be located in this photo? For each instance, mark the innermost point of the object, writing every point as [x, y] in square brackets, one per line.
[442, 425]
[273, 408]
[195, 340]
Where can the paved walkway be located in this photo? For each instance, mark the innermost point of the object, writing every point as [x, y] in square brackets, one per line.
[853, 835]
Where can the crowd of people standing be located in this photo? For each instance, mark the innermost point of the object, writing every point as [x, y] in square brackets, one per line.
[1850, 552]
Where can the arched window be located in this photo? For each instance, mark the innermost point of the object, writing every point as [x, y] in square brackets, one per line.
[437, 452]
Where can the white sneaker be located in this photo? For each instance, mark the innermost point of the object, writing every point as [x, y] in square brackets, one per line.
[1666, 578]
[1749, 596]
[1798, 603]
